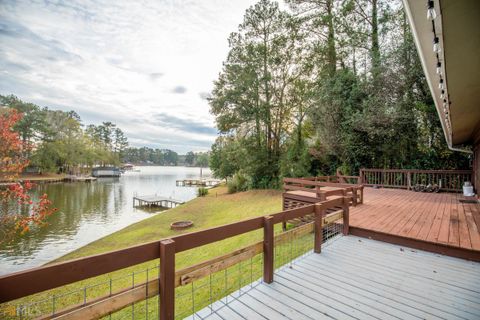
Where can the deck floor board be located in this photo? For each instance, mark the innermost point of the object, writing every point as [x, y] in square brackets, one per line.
[358, 278]
[434, 217]
[406, 287]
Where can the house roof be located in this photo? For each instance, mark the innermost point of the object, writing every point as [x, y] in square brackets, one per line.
[457, 27]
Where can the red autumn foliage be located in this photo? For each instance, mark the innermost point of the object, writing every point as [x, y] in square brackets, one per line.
[12, 163]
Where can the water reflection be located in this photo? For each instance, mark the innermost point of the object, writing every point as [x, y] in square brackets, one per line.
[89, 211]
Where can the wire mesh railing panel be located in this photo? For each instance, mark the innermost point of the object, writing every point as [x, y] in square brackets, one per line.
[221, 287]
[332, 232]
[292, 244]
[78, 296]
[202, 296]
[147, 305]
[145, 309]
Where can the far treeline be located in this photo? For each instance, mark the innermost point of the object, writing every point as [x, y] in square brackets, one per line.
[164, 157]
[318, 85]
[56, 141]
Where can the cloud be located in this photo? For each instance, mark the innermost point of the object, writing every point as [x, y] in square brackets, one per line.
[155, 75]
[14, 67]
[181, 145]
[179, 89]
[186, 124]
[119, 61]
[52, 50]
[204, 95]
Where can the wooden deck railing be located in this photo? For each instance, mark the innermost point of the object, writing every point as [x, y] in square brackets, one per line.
[36, 280]
[339, 178]
[447, 180]
[323, 188]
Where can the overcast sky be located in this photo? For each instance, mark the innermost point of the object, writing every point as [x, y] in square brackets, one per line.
[144, 65]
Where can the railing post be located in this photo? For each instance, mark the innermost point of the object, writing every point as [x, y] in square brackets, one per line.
[409, 180]
[346, 215]
[319, 213]
[284, 223]
[361, 178]
[167, 280]
[268, 249]
[321, 195]
[355, 196]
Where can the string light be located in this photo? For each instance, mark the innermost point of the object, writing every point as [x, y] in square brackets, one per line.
[431, 14]
[439, 68]
[436, 45]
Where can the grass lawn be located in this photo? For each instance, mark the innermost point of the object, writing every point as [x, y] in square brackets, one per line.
[42, 177]
[37, 177]
[217, 208]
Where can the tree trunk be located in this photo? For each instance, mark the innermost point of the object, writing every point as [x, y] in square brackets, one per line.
[375, 50]
[332, 53]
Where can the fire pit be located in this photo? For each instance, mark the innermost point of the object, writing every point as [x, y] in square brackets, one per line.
[180, 225]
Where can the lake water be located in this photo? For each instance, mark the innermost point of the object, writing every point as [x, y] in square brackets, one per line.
[89, 211]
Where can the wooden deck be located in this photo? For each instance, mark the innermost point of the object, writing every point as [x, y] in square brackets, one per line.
[358, 278]
[428, 218]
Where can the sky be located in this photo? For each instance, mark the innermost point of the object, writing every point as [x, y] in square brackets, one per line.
[146, 66]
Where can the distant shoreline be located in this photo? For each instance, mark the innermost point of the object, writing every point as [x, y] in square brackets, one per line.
[60, 177]
[162, 165]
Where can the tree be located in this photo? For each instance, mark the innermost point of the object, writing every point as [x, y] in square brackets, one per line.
[324, 85]
[201, 159]
[12, 162]
[120, 142]
[55, 140]
[318, 20]
[31, 126]
[106, 133]
[170, 157]
[190, 158]
[109, 142]
[253, 98]
[224, 157]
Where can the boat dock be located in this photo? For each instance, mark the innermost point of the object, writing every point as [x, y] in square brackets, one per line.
[155, 201]
[198, 182]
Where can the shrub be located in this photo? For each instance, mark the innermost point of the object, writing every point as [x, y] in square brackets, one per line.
[202, 192]
[238, 183]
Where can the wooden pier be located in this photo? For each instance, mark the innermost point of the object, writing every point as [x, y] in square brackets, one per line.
[198, 182]
[155, 201]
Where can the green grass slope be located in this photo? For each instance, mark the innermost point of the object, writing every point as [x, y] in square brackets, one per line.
[215, 209]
